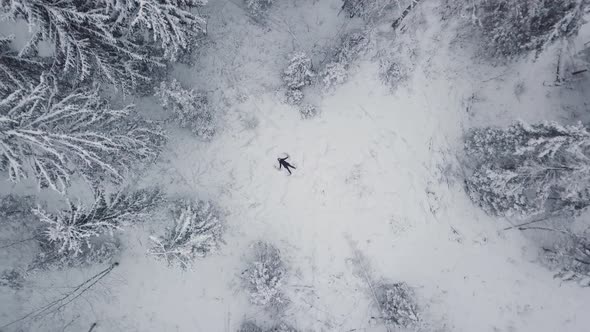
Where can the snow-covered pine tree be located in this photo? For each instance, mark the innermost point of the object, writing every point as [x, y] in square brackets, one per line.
[189, 108]
[512, 27]
[264, 276]
[299, 72]
[105, 38]
[53, 136]
[69, 232]
[297, 75]
[335, 72]
[197, 231]
[528, 169]
[16, 71]
[397, 304]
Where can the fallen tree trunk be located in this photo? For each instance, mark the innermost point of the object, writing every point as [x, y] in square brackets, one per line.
[405, 13]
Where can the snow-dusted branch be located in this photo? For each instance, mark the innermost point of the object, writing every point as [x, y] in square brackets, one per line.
[53, 136]
[69, 231]
[17, 72]
[106, 38]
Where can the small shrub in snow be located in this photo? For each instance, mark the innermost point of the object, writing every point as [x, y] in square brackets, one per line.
[258, 7]
[308, 111]
[299, 72]
[197, 231]
[392, 72]
[572, 258]
[528, 169]
[12, 279]
[512, 27]
[263, 277]
[397, 304]
[189, 108]
[70, 232]
[294, 96]
[333, 74]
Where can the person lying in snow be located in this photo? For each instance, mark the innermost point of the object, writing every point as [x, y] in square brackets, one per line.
[283, 163]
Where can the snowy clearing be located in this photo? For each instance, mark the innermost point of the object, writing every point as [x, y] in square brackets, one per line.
[377, 196]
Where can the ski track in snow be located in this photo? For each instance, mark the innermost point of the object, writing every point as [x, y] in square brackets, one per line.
[376, 176]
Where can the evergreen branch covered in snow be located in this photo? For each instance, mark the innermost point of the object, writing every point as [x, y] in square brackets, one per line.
[54, 136]
[17, 72]
[106, 38]
[82, 38]
[197, 232]
[168, 23]
[70, 231]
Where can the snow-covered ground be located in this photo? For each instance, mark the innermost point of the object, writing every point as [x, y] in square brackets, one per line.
[377, 195]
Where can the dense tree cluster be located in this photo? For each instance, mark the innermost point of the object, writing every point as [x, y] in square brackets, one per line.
[525, 170]
[57, 128]
[513, 27]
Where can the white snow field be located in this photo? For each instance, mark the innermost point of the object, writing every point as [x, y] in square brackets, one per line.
[377, 195]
